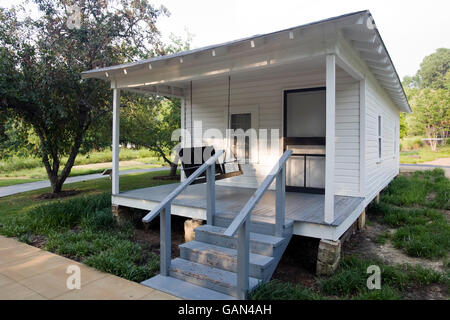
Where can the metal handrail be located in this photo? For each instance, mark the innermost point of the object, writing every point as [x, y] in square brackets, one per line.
[164, 209]
[250, 205]
[241, 223]
[154, 213]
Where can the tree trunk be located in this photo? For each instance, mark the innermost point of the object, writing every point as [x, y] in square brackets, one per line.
[173, 169]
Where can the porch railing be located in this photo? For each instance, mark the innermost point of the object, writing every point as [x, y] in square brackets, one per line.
[241, 224]
[164, 209]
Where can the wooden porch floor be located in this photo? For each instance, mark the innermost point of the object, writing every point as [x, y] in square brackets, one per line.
[300, 207]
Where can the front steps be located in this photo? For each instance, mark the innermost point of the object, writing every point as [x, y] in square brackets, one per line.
[207, 266]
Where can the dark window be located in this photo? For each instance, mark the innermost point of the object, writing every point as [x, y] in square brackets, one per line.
[241, 121]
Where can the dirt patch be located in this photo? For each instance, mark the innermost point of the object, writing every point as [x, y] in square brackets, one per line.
[298, 263]
[38, 241]
[430, 292]
[62, 194]
[365, 245]
[177, 177]
[150, 235]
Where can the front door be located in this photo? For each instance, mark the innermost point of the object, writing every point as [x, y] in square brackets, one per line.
[304, 134]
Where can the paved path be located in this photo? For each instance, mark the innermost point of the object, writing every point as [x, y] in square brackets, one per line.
[408, 167]
[29, 273]
[19, 188]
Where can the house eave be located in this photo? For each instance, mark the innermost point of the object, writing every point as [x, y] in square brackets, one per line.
[359, 27]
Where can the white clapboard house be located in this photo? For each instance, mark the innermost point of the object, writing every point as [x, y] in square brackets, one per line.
[328, 96]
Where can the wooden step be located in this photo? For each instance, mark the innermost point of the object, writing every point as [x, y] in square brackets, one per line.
[207, 277]
[257, 225]
[183, 289]
[225, 258]
[262, 244]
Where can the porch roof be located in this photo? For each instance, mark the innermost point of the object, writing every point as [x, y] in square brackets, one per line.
[358, 28]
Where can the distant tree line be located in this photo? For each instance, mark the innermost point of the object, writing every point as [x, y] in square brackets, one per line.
[428, 93]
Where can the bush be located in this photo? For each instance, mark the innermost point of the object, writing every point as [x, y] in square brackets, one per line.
[413, 143]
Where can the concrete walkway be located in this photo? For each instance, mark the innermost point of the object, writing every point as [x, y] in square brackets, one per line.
[407, 167]
[29, 273]
[24, 187]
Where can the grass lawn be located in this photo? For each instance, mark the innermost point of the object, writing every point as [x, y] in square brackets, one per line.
[4, 182]
[82, 227]
[415, 207]
[31, 169]
[424, 154]
[24, 202]
[349, 282]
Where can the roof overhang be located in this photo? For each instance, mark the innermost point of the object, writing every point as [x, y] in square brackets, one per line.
[160, 75]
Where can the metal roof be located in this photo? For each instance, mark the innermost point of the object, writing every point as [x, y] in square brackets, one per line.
[398, 94]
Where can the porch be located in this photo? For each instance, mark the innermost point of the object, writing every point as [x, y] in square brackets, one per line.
[305, 210]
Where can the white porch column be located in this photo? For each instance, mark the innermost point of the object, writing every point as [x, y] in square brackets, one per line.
[330, 137]
[115, 141]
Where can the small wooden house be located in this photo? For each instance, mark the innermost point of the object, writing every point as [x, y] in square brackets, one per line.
[329, 97]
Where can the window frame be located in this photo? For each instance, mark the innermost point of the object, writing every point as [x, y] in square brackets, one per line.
[380, 138]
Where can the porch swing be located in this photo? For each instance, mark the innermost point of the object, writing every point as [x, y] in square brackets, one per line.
[193, 157]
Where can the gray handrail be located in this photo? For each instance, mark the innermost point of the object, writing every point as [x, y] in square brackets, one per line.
[154, 213]
[250, 205]
[164, 209]
[241, 223]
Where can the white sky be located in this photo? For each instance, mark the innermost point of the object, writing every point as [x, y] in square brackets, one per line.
[411, 29]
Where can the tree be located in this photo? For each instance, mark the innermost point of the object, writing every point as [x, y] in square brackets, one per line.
[431, 113]
[434, 69]
[149, 121]
[41, 61]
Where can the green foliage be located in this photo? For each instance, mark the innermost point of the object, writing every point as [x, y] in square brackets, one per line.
[149, 122]
[351, 276]
[426, 188]
[434, 69]
[423, 154]
[84, 229]
[41, 63]
[431, 240]
[429, 95]
[421, 231]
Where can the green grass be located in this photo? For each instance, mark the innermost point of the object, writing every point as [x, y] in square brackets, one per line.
[32, 168]
[24, 202]
[424, 154]
[12, 182]
[413, 206]
[83, 228]
[350, 282]
[278, 290]
[423, 188]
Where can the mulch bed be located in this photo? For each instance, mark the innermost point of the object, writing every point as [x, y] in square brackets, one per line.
[62, 194]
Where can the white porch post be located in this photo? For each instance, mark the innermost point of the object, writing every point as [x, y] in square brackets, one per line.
[115, 141]
[330, 137]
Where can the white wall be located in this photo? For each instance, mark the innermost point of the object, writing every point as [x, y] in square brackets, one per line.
[264, 90]
[378, 173]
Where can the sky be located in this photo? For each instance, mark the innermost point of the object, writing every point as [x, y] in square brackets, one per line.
[410, 29]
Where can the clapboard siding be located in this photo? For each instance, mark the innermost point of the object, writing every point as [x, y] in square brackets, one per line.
[347, 136]
[378, 173]
[265, 91]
